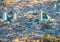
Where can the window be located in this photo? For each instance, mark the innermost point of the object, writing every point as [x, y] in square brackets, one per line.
[35, 14]
[36, 20]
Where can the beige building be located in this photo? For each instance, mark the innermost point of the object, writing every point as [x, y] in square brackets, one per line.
[29, 16]
[10, 1]
[15, 40]
[33, 1]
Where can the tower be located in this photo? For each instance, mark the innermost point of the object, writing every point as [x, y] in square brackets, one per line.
[15, 16]
[41, 15]
[5, 16]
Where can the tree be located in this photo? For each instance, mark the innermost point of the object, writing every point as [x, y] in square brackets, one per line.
[54, 39]
[46, 38]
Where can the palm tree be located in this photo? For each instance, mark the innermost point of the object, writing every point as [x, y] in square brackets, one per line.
[46, 38]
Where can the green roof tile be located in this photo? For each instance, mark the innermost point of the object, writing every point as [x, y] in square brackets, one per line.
[45, 16]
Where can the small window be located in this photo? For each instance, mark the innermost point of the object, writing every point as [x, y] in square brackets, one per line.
[35, 14]
[36, 20]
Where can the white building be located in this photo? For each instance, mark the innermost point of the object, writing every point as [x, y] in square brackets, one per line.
[37, 18]
[40, 17]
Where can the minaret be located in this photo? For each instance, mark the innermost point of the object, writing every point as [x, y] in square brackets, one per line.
[55, 6]
[5, 16]
[41, 15]
[15, 16]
